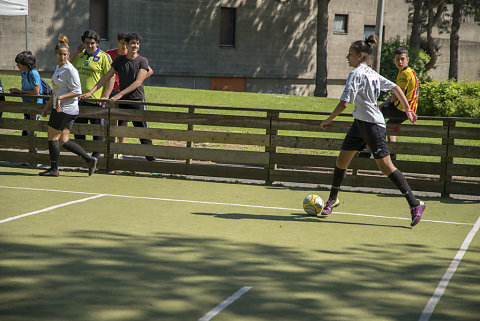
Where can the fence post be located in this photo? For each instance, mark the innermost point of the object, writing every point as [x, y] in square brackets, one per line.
[191, 110]
[447, 159]
[271, 149]
[109, 139]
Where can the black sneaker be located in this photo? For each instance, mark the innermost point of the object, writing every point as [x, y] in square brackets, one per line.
[150, 158]
[92, 166]
[49, 172]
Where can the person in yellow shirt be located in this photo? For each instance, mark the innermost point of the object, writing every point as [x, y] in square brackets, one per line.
[407, 81]
[92, 64]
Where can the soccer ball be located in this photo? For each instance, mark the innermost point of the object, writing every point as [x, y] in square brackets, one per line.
[313, 204]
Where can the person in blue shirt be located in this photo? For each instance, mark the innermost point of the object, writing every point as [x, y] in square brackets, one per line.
[31, 81]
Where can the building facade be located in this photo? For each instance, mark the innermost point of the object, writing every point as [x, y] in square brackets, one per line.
[247, 45]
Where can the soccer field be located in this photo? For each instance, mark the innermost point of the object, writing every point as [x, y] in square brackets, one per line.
[118, 247]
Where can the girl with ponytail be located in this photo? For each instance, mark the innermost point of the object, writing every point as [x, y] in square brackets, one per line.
[363, 88]
[64, 110]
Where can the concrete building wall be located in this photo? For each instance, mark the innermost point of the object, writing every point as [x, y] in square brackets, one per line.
[275, 44]
[46, 20]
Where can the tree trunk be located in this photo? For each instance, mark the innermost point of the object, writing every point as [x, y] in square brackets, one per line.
[416, 24]
[322, 33]
[454, 39]
[433, 18]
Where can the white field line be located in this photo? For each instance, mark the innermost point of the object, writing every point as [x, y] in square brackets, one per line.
[227, 204]
[49, 208]
[442, 285]
[219, 308]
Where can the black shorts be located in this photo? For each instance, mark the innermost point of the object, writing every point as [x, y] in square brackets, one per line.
[364, 133]
[394, 115]
[60, 121]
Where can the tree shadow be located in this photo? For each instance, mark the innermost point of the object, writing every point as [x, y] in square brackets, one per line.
[97, 275]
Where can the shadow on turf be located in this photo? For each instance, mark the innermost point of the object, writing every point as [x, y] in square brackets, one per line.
[294, 217]
[16, 174]
[97, 275]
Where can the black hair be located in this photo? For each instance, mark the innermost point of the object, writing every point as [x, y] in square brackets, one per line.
[400, 51]
[27, 59]
[122, 36]
[365, 47]
[91, 35]
[133, 36]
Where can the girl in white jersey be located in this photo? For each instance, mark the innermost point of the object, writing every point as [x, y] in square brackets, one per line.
[64, 110]
[363, 88]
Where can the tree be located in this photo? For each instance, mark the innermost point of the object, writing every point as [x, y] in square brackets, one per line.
[427, 14]
[322, 33]
[454, 39]
[461, 8]
[321, 74]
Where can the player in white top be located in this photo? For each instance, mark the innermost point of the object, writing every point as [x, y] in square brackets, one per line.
[64, 110]
[363, 88]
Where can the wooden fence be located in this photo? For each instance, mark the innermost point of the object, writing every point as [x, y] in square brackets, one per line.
[252, 143]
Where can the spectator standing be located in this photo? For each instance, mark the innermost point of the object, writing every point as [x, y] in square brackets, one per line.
[92, 64]
[31, 81]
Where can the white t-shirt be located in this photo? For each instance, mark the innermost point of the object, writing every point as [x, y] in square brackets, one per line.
[65, 80]
[363, 88]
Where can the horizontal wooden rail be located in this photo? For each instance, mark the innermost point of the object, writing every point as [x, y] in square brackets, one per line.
[252, 143]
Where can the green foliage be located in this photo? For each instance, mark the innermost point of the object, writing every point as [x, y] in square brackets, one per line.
[450, 99]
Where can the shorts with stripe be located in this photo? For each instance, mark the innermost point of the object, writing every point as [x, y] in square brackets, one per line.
[60, 121]
[363, 133]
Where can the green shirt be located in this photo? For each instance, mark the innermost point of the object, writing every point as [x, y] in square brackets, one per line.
[91, 68]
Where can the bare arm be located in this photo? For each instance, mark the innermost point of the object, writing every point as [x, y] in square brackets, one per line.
[67, 96]
[337, 111]
[141, 76]
[403, 100]
[107, 77]
[149, 72]
[108, 88]
[34, 91]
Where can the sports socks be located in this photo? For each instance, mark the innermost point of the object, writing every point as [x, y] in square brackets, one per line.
[77, 149]
[54, 151]
[338, 176]
[399, 180]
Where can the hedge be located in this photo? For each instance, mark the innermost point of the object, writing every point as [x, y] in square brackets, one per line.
[449, 99]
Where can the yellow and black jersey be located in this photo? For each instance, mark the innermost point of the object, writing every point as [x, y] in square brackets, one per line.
[407, 81]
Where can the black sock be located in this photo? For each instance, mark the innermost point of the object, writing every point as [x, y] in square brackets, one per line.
[77, 149]
[54, 151]
[338, 176]
[399, 180]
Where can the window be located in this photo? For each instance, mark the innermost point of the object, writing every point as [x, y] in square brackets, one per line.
[340, 23]
[227, 27]
[367, 31]
[99, 17]
[370, 30]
